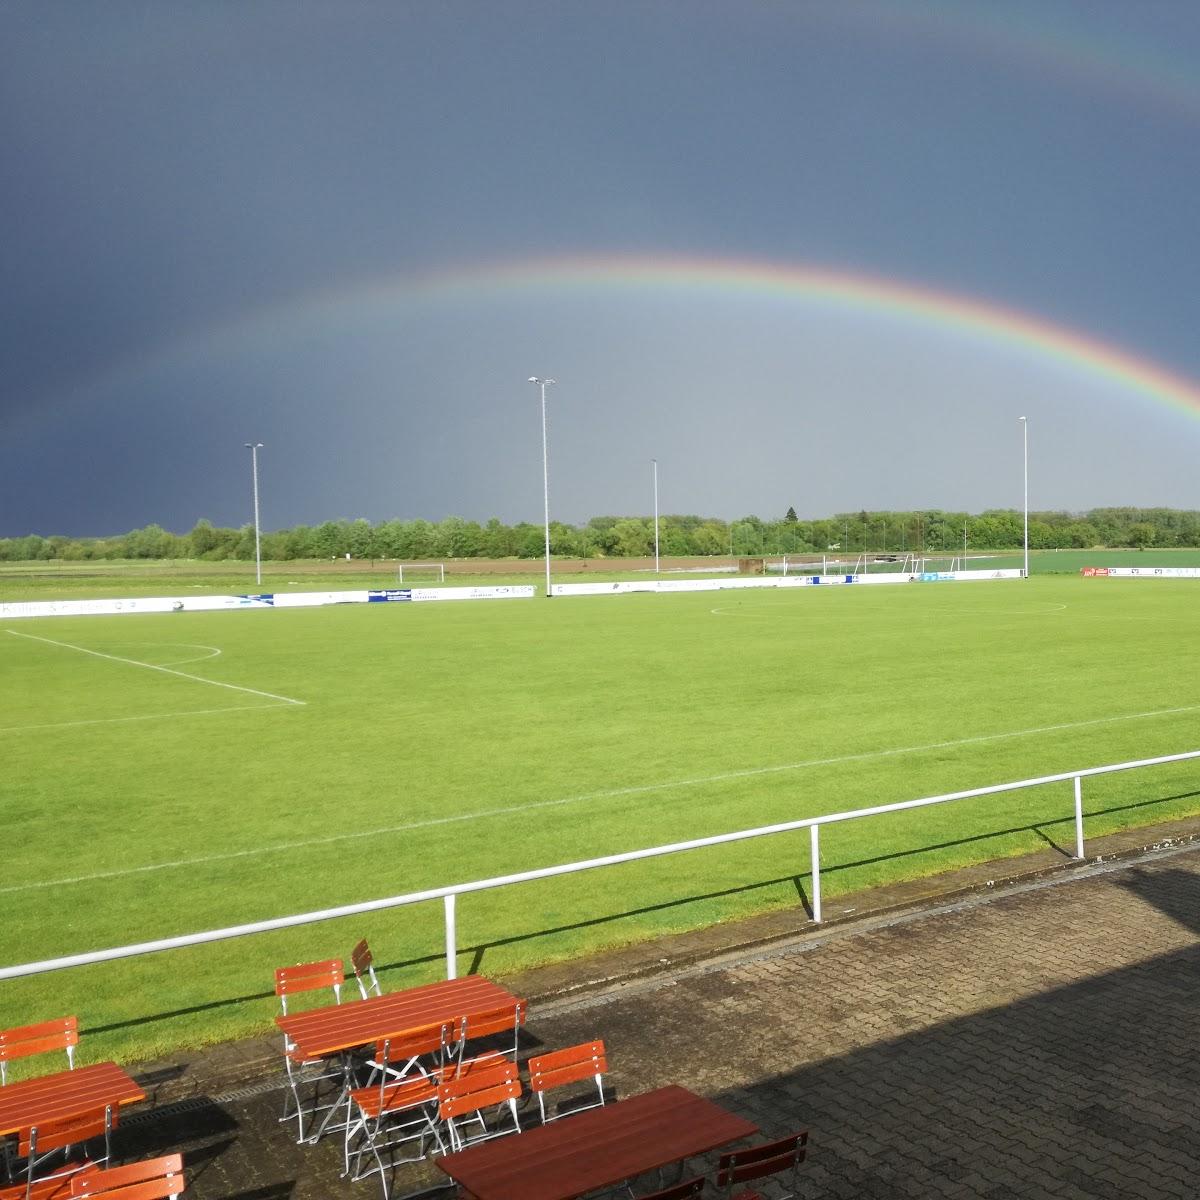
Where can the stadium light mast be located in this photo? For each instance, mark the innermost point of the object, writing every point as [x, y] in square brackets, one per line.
[655, 462]
[543, 384]
[1025, 440]
[254, 448]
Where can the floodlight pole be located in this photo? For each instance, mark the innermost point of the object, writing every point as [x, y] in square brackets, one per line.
[655, 462]
[542, 384]
[254, 448]
[1025, 440]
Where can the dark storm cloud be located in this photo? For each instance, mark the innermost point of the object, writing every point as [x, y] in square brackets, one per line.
[173, 169]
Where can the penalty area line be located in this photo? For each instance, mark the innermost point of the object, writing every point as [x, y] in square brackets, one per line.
[133, 662]
[616, 793]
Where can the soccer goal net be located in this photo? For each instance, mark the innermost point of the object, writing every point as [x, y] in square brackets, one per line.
[421, 572]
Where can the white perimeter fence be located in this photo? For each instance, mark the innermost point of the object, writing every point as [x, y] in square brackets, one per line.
[525, 591]
[448, 895]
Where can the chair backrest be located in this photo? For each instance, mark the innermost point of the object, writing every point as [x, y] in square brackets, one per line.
[679, 1191]
[363, 962]
[429, 1039]
[153, 1179]
[771, 1158]
[479, 1084]
[67, 1131]
[308, 977]
[495, 1020]
[561, 1067]
[26, 1040]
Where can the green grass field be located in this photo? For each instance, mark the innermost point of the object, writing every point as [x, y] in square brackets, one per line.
[443, 743]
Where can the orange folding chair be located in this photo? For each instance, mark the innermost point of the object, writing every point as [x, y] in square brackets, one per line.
[363, 962]
[479, 1084]
[782, 1157]
[400, 1056]
[27, 1040]
[560, 1068]
[395, 1060]
[41, 1142]
[154, 1179]
[509, 1017]
[290, 981]
[387, 1114]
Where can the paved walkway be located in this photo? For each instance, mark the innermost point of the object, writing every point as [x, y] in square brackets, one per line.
[1036, 1042]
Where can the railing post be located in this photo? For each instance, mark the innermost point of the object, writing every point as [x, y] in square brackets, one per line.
[815, 835]
[451, 938]
[1078, 818]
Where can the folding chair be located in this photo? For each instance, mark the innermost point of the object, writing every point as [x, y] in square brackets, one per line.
[771, 1158]
[563, 1067]
[364, 963]
[389, 1113]
[154, 1179]
[401, 1056]
[26, 1040]
[478, 1084]
[306, 977]
[485, 1024]
[40, 1142]
[395, 1060]
[678, 1191]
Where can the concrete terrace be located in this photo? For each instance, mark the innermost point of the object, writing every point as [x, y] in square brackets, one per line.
[1025, 1029]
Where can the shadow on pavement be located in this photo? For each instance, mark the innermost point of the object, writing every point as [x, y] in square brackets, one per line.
[1085, 1091]
[1175, 893]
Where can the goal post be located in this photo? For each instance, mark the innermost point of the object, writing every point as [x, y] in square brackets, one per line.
[422, 572]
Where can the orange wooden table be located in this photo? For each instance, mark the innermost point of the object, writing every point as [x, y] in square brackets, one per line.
[64, 1094]
[333, 1028]
[336, 1029]
[596, 1149]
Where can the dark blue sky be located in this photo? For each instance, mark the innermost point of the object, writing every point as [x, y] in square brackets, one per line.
[211, 212]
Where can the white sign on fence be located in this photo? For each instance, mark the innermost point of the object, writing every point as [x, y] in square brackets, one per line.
[786, 581]
[165, 604]
[1143, 572]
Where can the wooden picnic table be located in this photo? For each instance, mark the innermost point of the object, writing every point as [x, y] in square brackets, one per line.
[64, 1094]
[334, 1028]
[596, 1149]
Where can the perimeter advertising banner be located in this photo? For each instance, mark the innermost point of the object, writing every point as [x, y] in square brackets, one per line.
[1143, 572]
[164, 604]
[787, 581]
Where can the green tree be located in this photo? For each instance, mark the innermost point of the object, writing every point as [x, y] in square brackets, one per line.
[1140, 535]
[203, 538]
[634, 539]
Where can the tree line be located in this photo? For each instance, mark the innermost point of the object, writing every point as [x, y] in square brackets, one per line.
[927, 531]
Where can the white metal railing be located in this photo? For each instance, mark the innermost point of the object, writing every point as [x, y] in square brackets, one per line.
[448, 895]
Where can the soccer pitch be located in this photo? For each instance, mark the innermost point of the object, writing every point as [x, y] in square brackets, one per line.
[169, 774]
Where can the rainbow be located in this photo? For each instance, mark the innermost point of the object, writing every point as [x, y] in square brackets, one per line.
[829, 289]
[1103, 58]
[824, 287]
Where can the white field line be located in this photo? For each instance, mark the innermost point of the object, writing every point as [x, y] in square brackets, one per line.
[615, 793]
[133, 662]
[190, 712]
